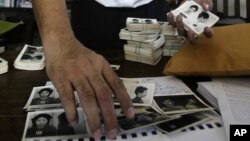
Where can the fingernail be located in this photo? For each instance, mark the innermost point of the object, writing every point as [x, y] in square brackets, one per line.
[112, 134]
[97, 134]
[73, 123]
[130, 113]
[206, 6]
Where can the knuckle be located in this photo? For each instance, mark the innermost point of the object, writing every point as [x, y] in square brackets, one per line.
[117, 83]
[87, 95]
[104, 96]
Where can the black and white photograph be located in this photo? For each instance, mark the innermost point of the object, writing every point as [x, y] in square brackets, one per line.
[3, 66]
[183, 122]
[173, 104]
[30, 58]
[43, 97]
[33, 54]
[141, 120]
[195, 17]
[141, 94]
[53, 124]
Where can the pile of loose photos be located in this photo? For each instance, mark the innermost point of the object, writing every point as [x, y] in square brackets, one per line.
[162, 102]
[30, 58]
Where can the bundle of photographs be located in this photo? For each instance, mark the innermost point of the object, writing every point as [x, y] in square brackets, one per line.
[30, 58]
[194, 17]
[3, 66]
[162, 102]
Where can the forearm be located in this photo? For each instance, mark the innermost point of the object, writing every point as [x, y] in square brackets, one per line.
[52, 20]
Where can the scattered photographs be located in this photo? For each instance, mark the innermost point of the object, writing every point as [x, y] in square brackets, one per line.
[195, 17]
[170, 112]
[52, 124]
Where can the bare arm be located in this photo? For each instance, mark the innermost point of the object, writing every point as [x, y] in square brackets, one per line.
[73, 67]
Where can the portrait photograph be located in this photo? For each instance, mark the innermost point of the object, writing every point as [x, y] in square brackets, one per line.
[32, 54]
[140, 94]
[173, 104]
[43, 97]
[53, 124]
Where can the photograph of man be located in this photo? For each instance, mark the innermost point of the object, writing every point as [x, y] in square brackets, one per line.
[44, 97]
[140, 92]
[201, 21]
[41, 126]
[191, 9]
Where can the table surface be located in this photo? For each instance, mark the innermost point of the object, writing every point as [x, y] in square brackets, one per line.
[16, 86]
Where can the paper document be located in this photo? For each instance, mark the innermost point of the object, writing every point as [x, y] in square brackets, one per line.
[234, 100]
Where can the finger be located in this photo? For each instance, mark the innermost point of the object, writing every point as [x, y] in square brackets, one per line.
[88, 102]
[171, 20]
[68, 100]
[191, 36]
[208, 32]
[206, 4]
[180, 26]
[105, 101]
[119, 90]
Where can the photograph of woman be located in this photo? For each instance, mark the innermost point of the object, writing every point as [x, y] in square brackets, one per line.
[41, 126]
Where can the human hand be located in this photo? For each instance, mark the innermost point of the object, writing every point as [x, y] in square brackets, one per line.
[191, 36]
[71, 66]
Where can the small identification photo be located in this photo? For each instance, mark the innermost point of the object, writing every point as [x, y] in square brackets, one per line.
[43, 97]
[53, 124]
[141, 94]
[32, 54]
[173, 104]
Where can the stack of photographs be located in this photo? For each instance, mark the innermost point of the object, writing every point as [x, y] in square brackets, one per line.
[3, 66]
[144, 41]
[194, 17]
[173, 42]
[30, 58]
[178, 108]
